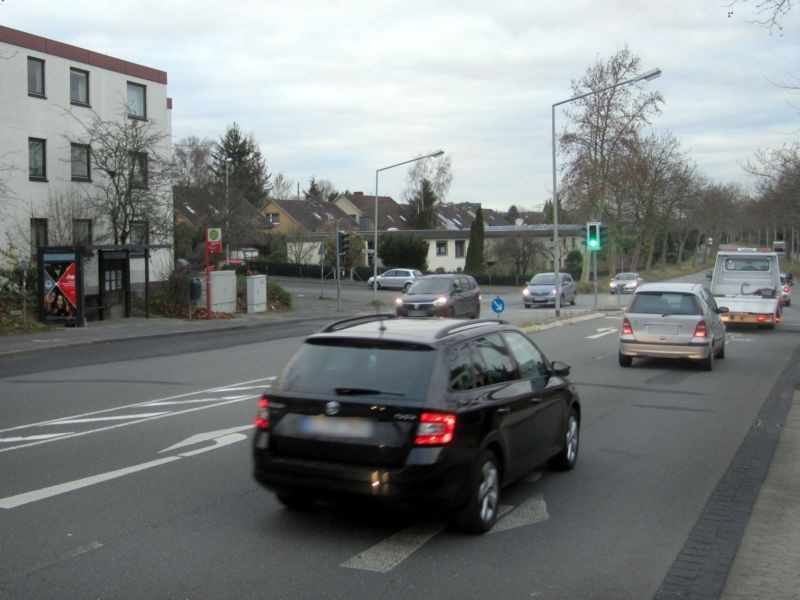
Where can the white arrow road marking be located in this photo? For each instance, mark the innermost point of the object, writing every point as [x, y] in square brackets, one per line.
[533, 510]
[601, 332]
[386, 555]
[220, 438]
[33, 438]
[206, 437]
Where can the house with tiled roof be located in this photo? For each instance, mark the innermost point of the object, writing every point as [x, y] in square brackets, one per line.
[361, 208]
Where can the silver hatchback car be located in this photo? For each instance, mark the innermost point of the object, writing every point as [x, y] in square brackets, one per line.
[672, 320]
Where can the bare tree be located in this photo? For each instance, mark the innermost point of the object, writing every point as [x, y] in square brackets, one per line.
[280, 187]
[193, 162]
[436, 171]
[768, 12]
[133, 175]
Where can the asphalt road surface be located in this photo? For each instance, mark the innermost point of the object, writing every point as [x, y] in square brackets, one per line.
[125, 473]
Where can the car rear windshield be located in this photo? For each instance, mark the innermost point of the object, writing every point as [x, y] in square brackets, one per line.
[359, 367]
[664, 303]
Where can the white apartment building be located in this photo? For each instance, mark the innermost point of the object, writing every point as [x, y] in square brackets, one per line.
[49, 93]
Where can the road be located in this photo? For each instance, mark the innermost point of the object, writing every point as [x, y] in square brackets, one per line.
[125, 473]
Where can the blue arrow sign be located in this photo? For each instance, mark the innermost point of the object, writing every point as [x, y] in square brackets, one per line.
[498, 305]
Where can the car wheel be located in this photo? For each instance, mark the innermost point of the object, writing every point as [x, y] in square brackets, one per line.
[295, 500]
[566, 459]
[574, 296]
[480, 513]
[405, 287]
[625, 361]
[561, 303]
[477, 314]
[707, 364]
[721, 352]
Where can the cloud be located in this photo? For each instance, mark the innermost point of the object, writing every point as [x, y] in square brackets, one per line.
[338, 90]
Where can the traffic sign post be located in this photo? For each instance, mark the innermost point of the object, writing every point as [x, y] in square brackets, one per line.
[498, 306]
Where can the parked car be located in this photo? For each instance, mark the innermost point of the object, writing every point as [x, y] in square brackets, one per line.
[672, 320]
[541, 290]
[787, 282]
[395, 279]
[454, 295]
[625, 283]
[438, 414]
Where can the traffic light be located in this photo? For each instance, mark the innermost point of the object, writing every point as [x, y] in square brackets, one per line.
[603, 236]
[593, 236]
[344, 242]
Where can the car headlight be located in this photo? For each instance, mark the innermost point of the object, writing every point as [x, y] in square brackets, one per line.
[440, 301]
[398, 302]
[553, 292]
[526, 292]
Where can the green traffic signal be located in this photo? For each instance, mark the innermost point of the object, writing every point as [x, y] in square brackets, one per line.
[593, 235]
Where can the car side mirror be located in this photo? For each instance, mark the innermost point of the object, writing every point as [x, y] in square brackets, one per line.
[559, 369]
[721, 310]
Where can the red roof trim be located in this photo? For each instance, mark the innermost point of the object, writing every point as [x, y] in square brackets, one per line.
[103, 61]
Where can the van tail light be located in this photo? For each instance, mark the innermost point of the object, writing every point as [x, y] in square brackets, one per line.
[786, 289]
[701, 331]
[626, 327]
[435, 429]
[262, 417]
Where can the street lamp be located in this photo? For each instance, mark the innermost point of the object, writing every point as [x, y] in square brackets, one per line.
[646, 76]
[375, 248]
[228, 161]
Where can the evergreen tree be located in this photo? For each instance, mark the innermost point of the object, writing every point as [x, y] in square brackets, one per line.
[240, 157]
[474, 260]
[423, 206]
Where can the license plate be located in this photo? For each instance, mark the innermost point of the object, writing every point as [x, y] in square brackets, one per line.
[418, 313]
[661, 329]
[540, 299]
[340, 427]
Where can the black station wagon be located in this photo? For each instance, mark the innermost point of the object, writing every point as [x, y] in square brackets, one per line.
[430, 413]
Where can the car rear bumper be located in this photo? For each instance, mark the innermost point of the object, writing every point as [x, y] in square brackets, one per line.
[656, 350]
[429, 478]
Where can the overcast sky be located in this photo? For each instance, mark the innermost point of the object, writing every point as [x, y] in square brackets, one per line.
[338, 89]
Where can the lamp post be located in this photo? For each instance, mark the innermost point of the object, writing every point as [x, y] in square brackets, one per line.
[375, 242]
[227, 232]
[647, 76]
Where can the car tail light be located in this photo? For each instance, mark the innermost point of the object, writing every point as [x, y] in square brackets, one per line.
[626, 327]
[786, 289]
[701, 331]
[262, 417]
[435, 429]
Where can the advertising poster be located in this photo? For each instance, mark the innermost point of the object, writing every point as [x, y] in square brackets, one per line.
[60, 287]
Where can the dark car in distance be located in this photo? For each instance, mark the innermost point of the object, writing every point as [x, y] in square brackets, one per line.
[455, 295]
[437, 414]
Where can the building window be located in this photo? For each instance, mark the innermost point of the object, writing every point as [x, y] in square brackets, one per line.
[35, 77]
[139, 233]
[37, 155]
[441, 248]
[82, 232]
[137, 101]
[138, 170]
[79, 87]
[38, 234]
[460, 244]
[80, 162]
[273, 218]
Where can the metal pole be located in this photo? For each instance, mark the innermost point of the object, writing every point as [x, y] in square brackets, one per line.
[556, 249]
[594, 257]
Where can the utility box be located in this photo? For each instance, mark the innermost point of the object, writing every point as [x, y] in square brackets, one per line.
[195, 289]
[256, 293]
[223, 291]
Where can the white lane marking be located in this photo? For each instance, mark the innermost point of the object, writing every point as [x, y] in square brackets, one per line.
[91, 546]
[533, 510]
[63, 488]
[126, 424]
[108, 418]
[32, 438]
[386, 555]
[139, 404]
[205, 437]
[601, 332]
[220, 441]
[180, 402]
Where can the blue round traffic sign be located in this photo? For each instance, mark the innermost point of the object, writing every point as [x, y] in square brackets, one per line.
[498, 305]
